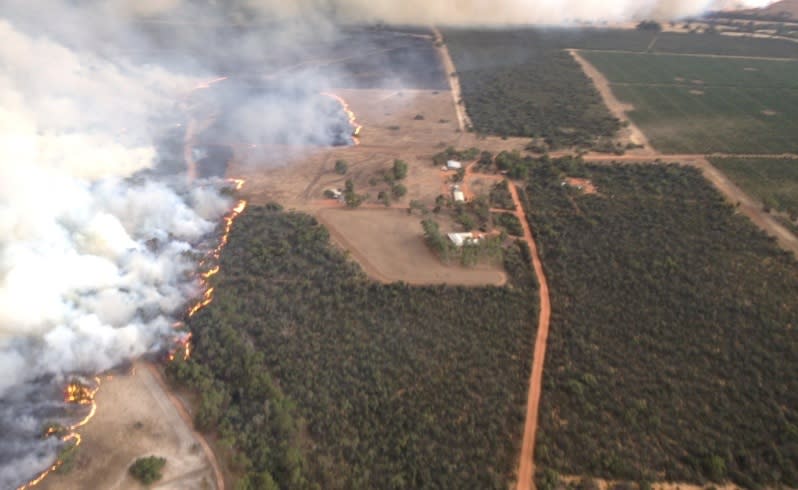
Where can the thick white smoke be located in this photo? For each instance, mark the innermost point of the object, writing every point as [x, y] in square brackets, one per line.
[93, 264]
[482, 12]
[78, 281]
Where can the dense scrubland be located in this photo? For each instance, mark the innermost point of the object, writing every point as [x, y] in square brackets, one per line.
[693, 104]
[673, 337]
[317, 377]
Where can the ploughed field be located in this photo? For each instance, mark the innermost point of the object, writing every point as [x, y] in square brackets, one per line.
[673, 340]
[703, 104]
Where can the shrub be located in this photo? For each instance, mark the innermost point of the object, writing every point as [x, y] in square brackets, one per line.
[148, 470]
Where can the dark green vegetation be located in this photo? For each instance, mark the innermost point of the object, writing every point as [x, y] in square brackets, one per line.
[543, 94]
[148, 470]
[774, 181]
[673, 337]
[510, 223]
[691, 104]
[522, 83]
[500, 196]
[321, 378]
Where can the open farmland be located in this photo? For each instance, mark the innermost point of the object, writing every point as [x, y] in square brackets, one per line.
[697, 104]
[673, 331]
[325, 379]
[773, 181]
[523, 83]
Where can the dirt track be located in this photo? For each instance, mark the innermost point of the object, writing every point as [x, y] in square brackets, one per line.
[526, 466]
[454, 81]
[616, 107]
[189, 421]
[135, 418]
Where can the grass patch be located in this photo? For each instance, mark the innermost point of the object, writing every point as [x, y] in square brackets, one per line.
[673, 327]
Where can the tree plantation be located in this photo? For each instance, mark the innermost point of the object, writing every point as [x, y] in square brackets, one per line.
[673, 342]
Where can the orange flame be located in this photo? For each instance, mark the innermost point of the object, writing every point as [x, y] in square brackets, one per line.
[184, 343]
[75, 393]
[204, 85]
[350, 114]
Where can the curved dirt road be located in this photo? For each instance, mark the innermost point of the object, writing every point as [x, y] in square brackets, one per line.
[181, 410]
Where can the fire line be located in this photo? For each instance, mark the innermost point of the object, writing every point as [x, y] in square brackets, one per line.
[349, 114]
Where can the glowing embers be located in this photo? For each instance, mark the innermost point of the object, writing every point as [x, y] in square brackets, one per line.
[77, 392]
[356, 127]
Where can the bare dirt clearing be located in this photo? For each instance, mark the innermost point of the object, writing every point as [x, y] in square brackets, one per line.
[135, 418]
[389, 245]
[584, 185]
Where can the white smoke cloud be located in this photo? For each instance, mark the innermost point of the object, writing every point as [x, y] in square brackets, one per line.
[93, 264]
[483, 12]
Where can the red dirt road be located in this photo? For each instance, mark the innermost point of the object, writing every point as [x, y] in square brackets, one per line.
[526, 467]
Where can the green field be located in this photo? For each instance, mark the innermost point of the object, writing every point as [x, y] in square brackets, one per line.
[698, 104]
[774, 181]
[673, 338]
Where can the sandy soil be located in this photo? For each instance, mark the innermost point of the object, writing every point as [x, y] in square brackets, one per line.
[389, 245]
[136, 418]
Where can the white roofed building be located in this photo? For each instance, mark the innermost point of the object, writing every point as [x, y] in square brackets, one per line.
[460, 239]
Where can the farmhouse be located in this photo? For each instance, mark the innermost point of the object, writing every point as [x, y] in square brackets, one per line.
[460, 239]
[454, 165]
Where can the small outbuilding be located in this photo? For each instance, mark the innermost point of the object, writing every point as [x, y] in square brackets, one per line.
[460, 239]
[454, 165]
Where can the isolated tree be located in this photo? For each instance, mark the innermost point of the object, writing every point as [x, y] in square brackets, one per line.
[399, 169]
[148, 470]
[341, 167]
[399, 191]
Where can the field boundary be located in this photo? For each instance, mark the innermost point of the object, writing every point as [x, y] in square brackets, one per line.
[614, 105]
